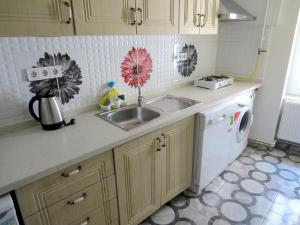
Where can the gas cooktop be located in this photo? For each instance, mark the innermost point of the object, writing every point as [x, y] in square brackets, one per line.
[213, 82]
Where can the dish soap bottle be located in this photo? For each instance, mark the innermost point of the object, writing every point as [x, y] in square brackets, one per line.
[111, 99]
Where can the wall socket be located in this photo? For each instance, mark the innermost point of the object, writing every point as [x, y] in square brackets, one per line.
[181, 56]
[43, 73]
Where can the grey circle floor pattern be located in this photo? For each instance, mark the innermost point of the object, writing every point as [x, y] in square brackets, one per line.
[242, 194]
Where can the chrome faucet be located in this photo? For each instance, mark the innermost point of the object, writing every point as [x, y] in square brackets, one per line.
[140, 101]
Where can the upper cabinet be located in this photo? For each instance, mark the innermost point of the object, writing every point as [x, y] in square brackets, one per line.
[189, 17]
[198, 16]
[36, 18]
[104, 16]
[209, 21]
[107, 17]
[157, 17]
[126, 16]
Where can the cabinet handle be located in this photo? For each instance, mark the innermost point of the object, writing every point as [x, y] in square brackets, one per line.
[202, 23]
[73, 202]
[198, 20]
[72, 173]
[67, 4]
[204, 20]
[165, 140]
[132, 16]
[141, 16]
[159, 144]
[86, 222]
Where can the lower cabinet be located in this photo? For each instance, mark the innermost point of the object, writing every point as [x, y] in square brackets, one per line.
[121, 187]
[153, 169]
[177, 159]
[84, 193]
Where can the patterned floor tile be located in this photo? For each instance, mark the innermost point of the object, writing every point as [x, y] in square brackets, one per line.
[261, 187]
[273, 218]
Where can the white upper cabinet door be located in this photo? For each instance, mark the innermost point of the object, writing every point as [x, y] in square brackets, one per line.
[36, 18]
[209, 16]
[104, 16]
[189, 17]
[157, 16]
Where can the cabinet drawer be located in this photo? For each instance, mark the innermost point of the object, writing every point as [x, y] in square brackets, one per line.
[53, 188]
[104, 215]
[76, 205]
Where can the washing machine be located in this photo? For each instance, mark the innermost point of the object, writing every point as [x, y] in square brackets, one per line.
[243, 119]
[221, 135]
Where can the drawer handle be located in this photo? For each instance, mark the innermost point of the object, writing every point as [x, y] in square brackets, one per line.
[132, 16]
[86, 222]
[159, 144]
[141, 16]
[164, 143]
[72, 173]
[198, 20]
[67, 4]
[77, 200]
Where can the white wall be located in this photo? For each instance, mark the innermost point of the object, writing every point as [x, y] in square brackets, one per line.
[269, 98]
[239, 41]
[99, 58]
[237, 53]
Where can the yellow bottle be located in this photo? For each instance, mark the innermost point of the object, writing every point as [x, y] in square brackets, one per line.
[111, 96]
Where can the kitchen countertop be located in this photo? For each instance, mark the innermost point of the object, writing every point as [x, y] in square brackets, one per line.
[30, 154]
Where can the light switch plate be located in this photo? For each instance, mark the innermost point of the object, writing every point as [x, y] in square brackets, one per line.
[43, 73]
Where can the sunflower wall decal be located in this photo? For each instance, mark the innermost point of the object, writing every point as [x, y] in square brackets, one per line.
[136, 67]
[67, 85]
[187, 67]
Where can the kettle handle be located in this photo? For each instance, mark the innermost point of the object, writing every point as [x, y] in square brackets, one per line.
[31, 107]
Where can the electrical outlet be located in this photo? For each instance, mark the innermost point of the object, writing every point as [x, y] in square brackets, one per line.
[181, 56]
[43, 73]
[33, 74]
[55, 71]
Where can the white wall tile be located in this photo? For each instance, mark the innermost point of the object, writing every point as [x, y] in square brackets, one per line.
[99, 58]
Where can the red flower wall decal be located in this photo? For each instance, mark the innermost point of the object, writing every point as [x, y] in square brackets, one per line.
[136, 67]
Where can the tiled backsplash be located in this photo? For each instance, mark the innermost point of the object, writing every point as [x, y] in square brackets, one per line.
[99, 58]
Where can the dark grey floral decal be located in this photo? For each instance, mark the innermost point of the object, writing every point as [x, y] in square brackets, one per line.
[69, 82]
[186, 67]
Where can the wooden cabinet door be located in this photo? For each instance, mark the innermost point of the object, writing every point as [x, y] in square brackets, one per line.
[177, 175]
[35, 18]
[103, 17]
[157, 16]
[189, 19]
[137, 179]
[210, 9]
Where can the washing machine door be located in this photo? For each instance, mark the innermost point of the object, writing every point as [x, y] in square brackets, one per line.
[244, 124]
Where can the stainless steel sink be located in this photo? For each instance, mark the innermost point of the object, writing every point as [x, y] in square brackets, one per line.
[170, 103]
[134, 116]
[129, 117]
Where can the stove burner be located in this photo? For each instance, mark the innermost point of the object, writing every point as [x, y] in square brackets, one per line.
[215, 78]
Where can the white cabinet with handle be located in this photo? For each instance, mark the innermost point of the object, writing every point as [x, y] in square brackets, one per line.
[36, 18]
[209, 16]
[104, 16]
[107, 17]
[126, 16]
[157, 17]
[153, 169]
[198, 17]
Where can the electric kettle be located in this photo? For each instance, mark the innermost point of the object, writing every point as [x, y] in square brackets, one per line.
[50, 114]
